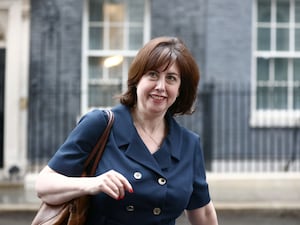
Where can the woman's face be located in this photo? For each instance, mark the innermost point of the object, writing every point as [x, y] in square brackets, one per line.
[157, 90]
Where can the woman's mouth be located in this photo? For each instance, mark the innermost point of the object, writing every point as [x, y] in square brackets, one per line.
[158, 97]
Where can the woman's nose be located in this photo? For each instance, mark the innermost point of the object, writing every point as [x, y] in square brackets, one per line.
[160, 84]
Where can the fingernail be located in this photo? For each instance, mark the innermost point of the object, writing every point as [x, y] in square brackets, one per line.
[120, 198]
[130, 190]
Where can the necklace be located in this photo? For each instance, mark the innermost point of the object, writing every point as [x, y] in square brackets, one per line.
[148, 135]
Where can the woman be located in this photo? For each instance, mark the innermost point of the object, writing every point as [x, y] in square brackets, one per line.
[152, 169]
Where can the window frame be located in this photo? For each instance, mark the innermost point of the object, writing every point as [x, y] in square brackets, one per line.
[274, 117]
[86, 53]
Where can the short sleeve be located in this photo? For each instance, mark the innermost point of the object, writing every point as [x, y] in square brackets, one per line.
[200, 195]
[71, 155]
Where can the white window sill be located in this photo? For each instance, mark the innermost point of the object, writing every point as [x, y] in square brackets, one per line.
[275, 118]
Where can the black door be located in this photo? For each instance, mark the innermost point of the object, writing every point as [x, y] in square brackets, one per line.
[2, 73]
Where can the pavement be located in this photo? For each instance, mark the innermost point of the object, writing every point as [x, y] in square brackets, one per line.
[232, 194]
[229, 192]
[273, 191]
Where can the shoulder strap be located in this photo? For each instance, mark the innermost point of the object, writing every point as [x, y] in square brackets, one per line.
[95, 155]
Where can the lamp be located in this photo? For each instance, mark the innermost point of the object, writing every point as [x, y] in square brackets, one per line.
[113, 61]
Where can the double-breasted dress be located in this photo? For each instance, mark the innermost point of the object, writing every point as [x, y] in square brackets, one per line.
[164, 183]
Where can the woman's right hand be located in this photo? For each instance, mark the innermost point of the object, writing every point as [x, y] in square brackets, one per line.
[112, 183]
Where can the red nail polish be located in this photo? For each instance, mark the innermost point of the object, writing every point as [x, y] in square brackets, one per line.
[130, 190]
[120, 198]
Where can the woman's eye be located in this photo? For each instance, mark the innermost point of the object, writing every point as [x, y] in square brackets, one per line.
[172, 78]
[152, 74]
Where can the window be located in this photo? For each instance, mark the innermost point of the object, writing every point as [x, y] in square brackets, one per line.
[276, 63]
[114, 30]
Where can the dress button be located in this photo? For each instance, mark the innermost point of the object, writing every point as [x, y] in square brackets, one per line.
[137, 175]
[130, 208]
[162, 181]
[156, 211]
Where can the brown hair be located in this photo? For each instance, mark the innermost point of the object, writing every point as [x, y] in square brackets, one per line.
[159, 52]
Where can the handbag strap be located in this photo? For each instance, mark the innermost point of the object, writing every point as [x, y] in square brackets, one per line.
[98, 150]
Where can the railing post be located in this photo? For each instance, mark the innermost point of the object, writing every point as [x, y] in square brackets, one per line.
[2, 79]
[293, 155]
[207, 134]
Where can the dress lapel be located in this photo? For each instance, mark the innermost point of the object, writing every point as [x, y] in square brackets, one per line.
[126, 135]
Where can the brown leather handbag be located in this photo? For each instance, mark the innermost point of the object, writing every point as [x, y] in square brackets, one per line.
[75, 211]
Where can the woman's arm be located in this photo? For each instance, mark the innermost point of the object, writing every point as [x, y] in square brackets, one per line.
[203, 216]
[55, 188]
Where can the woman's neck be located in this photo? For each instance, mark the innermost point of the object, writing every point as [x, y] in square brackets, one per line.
[149, 123]
[152, 130]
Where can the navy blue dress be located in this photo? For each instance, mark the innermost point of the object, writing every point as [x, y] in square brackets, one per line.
[164, 183]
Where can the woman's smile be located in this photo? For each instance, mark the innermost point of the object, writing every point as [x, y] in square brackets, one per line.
[157, 97]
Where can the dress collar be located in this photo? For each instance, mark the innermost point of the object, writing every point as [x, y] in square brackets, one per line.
[126, 135]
